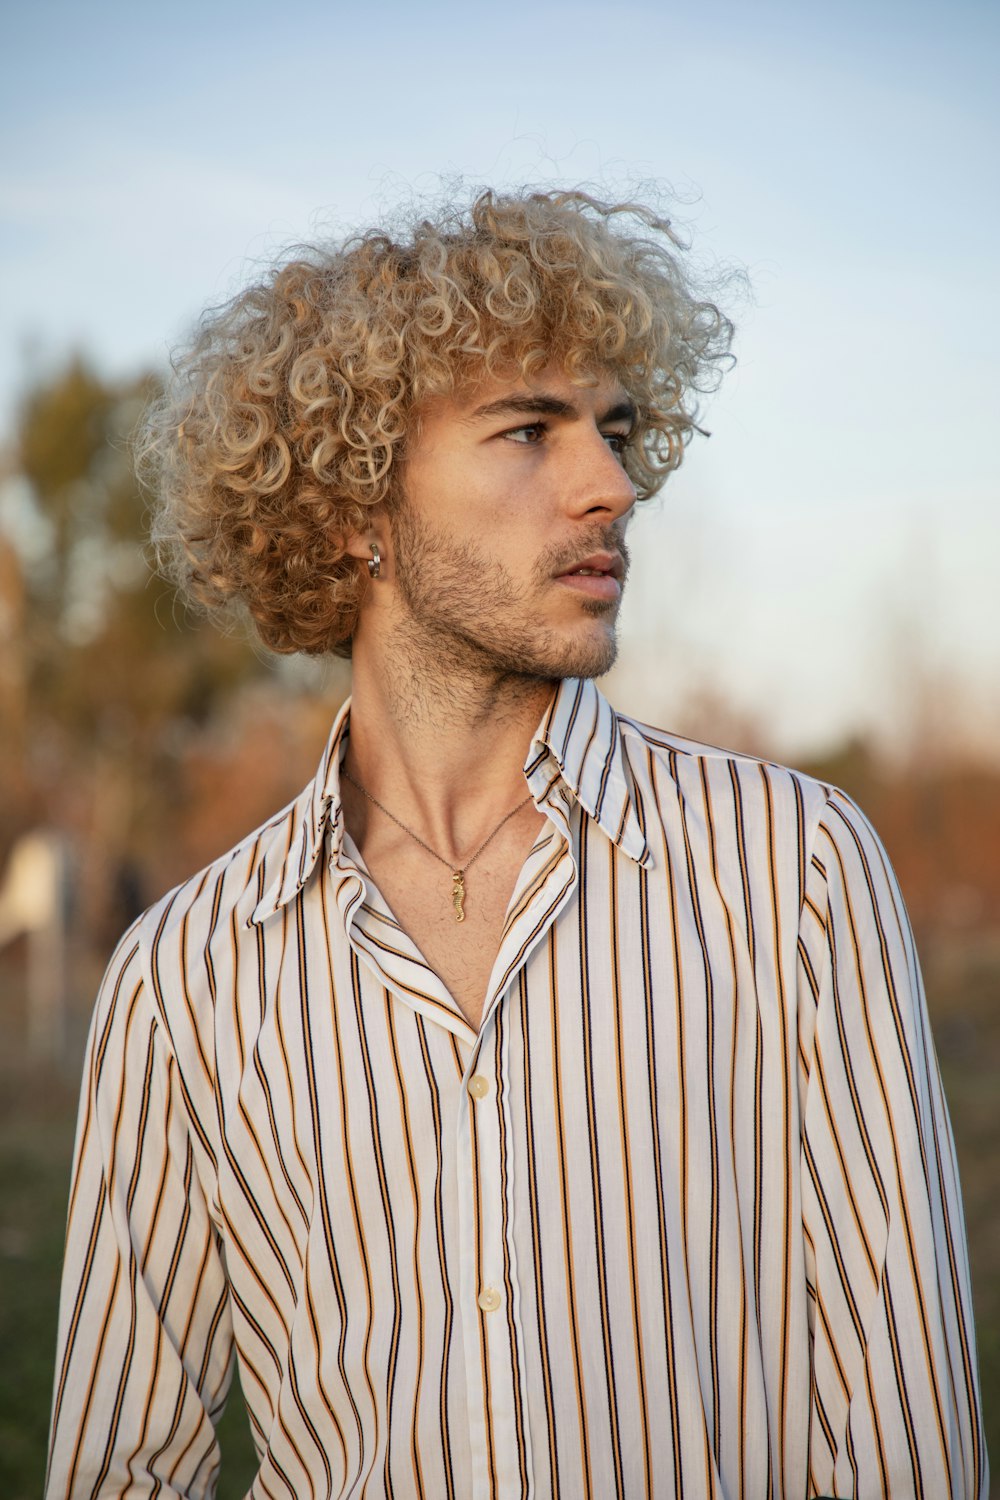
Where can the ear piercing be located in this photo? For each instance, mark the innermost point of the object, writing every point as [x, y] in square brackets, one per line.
[375, 561]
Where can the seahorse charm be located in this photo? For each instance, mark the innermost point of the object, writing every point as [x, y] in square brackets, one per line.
[458, 894]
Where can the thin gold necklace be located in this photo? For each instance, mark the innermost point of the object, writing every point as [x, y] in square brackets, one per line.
[457, 876]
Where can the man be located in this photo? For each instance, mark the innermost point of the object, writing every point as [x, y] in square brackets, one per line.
[541, 1104]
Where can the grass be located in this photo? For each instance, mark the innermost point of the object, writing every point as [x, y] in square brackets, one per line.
[962, 993]
[37, 1118]
[33, 1180]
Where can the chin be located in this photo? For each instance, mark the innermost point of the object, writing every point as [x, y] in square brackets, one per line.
[574, 658]
[526, 649]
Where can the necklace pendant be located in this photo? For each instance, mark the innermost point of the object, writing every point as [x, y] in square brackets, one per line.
[458, 894]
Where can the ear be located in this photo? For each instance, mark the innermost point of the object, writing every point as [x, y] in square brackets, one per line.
[369, 547]
[359, 543]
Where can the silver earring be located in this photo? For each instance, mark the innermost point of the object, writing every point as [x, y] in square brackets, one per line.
[375, 561]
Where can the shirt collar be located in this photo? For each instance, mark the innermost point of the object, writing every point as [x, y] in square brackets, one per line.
[576, 753]
[317, 814]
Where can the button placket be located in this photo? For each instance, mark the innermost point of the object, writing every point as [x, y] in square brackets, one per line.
[491, 1378]
[485, 1136]
[492, 1331]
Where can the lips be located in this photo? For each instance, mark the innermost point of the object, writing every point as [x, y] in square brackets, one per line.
[598, 565]
[598, 577]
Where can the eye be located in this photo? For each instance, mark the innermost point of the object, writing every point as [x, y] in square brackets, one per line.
[618, 442]
[530, 434]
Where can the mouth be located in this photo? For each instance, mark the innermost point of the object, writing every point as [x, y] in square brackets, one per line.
[597, 577]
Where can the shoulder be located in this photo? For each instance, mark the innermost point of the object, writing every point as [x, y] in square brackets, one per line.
[172, 942]
[769, 815]
[698, 768]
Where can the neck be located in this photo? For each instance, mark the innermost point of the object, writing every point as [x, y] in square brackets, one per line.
[443, 749]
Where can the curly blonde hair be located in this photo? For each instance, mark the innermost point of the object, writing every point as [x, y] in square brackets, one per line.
[288, 415]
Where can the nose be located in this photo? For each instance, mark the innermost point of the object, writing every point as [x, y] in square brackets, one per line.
[602, 490]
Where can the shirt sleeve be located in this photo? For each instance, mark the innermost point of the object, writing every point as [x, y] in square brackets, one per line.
[144, 1356]
[894, 1403]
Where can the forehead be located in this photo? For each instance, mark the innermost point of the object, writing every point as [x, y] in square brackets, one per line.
[551, 390]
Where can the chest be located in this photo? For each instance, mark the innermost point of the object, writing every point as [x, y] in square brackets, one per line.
[456, 922]
[619, 1100]
[577, 1152]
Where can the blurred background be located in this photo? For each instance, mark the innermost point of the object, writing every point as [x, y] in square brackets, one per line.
[818, 583]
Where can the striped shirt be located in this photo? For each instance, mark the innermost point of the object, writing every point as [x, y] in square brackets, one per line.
[682, 1219]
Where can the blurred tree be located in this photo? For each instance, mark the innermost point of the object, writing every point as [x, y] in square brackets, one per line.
[114, 669]
[103, 636]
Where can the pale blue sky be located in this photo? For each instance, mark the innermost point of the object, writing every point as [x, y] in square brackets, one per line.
[841, 527]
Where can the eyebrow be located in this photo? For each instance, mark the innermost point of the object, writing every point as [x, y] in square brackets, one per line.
[551, 406]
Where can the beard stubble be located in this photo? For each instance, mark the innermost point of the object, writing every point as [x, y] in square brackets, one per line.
[468, 615]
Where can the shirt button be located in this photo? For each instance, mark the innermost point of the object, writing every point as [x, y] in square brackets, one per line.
[489, 1299]
[479, 1086]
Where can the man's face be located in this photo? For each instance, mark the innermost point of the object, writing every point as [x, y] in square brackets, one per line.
[509, 541]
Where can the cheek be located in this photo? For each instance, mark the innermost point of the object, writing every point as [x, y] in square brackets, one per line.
[481, 498]
[490, 515]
